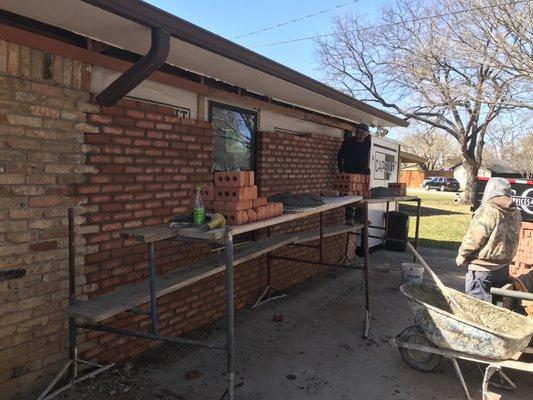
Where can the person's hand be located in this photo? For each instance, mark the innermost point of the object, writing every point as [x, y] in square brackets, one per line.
[460, 261]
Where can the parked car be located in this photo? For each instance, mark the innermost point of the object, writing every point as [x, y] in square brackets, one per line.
[429, 178]
[442, 184]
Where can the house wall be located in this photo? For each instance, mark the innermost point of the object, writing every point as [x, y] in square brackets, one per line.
[43, 104]
[459, 173]
[120, 167]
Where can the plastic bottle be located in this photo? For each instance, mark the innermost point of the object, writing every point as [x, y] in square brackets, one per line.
[198, 211]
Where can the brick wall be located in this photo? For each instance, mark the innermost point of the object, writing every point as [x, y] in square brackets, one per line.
[120, 167]
[292, 163]
[42, 118]
[147, 161]
[523, 261]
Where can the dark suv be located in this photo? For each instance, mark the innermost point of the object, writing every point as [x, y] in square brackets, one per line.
[442, 184]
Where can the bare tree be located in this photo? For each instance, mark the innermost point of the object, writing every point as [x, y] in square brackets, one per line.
[505, 136]
[410, 65]
[507, 29]
[433, 145]
[522, 159]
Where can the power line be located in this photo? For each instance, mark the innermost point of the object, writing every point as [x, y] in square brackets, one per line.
[296, 20]
[393, 23]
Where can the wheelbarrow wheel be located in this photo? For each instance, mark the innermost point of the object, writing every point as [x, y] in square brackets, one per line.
[418, 360]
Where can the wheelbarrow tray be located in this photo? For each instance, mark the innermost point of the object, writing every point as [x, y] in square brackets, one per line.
[492, 332]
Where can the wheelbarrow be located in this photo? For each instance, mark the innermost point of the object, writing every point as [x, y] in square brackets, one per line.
[480, 332]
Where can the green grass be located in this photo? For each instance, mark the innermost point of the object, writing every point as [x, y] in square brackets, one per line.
[443, 223]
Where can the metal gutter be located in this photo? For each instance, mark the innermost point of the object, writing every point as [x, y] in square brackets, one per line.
[153, 17]
[139, 71]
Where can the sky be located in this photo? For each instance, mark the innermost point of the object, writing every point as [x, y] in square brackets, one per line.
[232, 18]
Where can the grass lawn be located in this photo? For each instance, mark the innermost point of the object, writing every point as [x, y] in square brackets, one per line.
[442, 223]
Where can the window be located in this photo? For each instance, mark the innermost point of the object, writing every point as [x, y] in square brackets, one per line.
[234, 141]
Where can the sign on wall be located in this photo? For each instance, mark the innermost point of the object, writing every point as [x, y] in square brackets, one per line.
[384, 165]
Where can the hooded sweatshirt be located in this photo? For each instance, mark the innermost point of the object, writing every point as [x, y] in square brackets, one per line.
[491, 240]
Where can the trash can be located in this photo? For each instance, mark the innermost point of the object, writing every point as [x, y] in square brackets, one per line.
[398, 229]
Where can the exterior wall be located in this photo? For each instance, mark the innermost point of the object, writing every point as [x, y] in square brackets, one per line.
[292, 163]
[43, 99]
[523, 261]
[120, 167]
[270, 120]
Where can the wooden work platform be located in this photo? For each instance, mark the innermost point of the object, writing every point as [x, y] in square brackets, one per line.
[215, 235]
[134, 294]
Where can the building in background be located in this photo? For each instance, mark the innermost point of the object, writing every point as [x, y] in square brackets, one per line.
[490, 168]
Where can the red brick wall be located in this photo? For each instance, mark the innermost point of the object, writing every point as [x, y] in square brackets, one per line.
[147, 160]
[523, 261]
[292, 163]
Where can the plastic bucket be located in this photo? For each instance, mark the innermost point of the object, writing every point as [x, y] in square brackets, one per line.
[412, 273]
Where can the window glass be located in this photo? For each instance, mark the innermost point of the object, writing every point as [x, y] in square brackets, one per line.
[234, 131]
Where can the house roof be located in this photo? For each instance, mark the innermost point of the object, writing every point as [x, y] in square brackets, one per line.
[126, 24]
[406, 157]
[496, 166]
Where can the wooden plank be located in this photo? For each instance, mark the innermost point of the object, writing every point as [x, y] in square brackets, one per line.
[148, 234]
[134, 294]
[215, 235]
[328, 232]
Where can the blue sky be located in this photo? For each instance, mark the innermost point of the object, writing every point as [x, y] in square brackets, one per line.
[231, 18]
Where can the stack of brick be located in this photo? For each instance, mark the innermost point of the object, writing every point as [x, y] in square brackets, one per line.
[235, 197]
[523, 261]
[352, 184]
[399, 188]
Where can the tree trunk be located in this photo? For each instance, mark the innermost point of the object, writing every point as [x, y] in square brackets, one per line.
[471, 168]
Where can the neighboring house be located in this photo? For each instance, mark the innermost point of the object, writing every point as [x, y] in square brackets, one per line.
[414, 174]
[67, 142]
[491, 168]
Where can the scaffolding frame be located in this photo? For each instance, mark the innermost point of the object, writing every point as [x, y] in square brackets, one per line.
[224, 235]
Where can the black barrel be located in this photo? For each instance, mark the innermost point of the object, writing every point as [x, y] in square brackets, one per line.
[398, 230]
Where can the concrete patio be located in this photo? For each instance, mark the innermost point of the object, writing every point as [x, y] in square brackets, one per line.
[316, 352]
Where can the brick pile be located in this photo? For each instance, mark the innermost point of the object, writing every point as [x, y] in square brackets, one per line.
[352, 184]
[399, 188]
[523, 261]
[236, 197]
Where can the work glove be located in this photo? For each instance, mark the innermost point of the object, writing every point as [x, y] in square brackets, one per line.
[460, 261]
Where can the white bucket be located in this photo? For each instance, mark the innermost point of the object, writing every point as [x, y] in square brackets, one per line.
[412, 272]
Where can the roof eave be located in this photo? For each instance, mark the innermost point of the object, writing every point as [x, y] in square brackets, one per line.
[153, 17]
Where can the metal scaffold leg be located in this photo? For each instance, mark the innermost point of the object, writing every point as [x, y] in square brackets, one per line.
[230, 314]
[72, 364]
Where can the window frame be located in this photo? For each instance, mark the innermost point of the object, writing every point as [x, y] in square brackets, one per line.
[254, 113]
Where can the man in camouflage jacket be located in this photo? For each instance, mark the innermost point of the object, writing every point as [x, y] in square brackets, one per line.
[491, 241]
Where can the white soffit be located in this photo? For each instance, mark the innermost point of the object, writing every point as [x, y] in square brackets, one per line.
[90, 21]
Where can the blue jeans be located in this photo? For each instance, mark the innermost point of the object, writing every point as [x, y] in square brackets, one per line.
[478, 283]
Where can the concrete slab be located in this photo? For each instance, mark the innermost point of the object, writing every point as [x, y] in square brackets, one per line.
[316, 352]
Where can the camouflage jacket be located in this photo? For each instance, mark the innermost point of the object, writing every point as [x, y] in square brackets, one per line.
[492, 237]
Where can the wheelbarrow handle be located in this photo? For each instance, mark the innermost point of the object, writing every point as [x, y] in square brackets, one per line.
[434, 276]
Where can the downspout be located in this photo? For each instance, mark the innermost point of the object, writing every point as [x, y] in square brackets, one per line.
[139, 71]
